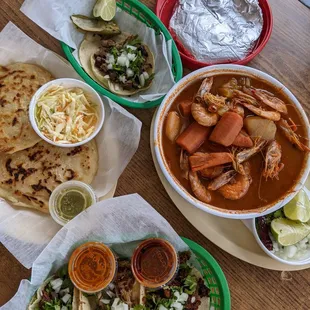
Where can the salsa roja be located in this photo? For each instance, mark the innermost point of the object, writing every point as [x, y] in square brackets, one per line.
[154, 262]
[92, 267]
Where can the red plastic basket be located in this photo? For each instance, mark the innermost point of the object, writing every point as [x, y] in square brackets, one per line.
[164, 10]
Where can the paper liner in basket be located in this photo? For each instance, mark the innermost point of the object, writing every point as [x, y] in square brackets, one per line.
[54, 17]
[118, 222]
[117, 142]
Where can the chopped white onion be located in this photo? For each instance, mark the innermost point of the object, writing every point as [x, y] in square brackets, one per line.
[110, 59]
[64, 291]
[57, 283]
[105, 301]
[110, 66]
[146, 75]
[129, 73]
[290, 251]
[107, 76]
[183, 298]
[122, 78]
[121, 60]
[127, 62]
[66, 298]
[115, 302]
[117, 87]
[57, 290]
[110, 293]
[176, 294]
[142, 80]
[133, 48]
[177, 306]
[131, 56]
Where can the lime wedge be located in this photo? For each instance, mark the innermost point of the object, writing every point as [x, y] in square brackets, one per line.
[105, 9]
[287, 232]
[298, 209]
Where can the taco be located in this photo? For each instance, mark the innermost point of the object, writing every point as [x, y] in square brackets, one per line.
[124, 293]
[55, 293]
[121, 64]
[187, 291]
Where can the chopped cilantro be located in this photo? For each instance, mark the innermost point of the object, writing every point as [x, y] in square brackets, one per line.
[190, 284]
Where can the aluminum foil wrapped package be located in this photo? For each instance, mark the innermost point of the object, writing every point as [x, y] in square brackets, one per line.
[215, 31]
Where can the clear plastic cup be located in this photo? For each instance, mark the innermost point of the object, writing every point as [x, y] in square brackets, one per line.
[92, 267]
[62, 215]
[154, 263]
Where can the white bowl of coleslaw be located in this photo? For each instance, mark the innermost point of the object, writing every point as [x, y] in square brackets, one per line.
[66, 112]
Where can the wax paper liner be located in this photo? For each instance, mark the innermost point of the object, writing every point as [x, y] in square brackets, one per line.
[26, 232]
[54, 17]
[118, 222]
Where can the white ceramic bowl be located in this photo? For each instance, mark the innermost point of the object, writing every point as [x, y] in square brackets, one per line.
[68, 83]
[158, 129]
[272, 255]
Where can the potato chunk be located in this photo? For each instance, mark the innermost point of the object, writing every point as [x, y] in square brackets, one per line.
[259, 127]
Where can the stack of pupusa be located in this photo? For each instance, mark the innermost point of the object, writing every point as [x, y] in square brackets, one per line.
[31, 168]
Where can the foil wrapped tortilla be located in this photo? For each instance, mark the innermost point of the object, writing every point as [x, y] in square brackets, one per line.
[216, 31]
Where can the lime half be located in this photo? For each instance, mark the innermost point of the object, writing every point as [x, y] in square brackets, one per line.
[105, 9]
[71, 203]
[298, 209]
[288, 232]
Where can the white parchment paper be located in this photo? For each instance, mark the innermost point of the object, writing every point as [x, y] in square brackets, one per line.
[118, 222]
[26, 232]
[54, 17]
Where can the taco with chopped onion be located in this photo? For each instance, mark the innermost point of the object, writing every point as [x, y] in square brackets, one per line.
[121, 64]
[187, 291]
[57, 292]
[124, 293]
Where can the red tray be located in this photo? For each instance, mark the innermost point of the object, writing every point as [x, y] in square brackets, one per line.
[164, 10]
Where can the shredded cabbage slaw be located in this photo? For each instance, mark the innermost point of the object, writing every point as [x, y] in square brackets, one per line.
[65, 115]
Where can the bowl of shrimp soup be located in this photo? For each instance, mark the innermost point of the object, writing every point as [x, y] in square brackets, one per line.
[232, 141]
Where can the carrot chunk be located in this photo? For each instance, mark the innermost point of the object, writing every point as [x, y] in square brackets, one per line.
[243, 140]
[200, 161]
[193, 137]
[185, 107]
[227, 129]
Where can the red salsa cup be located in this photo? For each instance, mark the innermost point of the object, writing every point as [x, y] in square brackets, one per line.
[154, 263]
[92, 267]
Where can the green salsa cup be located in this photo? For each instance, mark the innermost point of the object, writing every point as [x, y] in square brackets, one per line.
[70, 199]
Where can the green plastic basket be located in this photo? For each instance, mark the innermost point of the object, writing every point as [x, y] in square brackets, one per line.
[145, 15]
[213, 274]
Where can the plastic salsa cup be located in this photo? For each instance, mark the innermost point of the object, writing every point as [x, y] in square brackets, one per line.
[92, 267]
[69, 199]
[154, 263]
